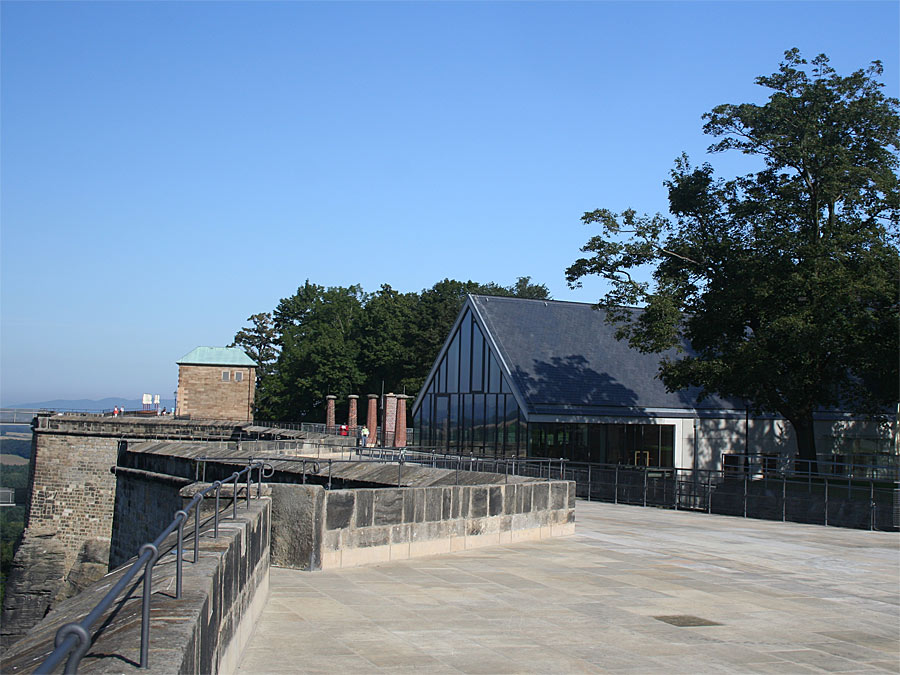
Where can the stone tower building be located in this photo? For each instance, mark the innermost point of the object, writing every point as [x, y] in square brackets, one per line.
[216, 383]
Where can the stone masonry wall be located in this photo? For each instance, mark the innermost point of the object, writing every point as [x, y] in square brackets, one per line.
[70, 512]
[203, 394]
[146, 503]
[72, 489]
[315, 528]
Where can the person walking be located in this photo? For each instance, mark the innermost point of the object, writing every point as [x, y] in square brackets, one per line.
[364, 436]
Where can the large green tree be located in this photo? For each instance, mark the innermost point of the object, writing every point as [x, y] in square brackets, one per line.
[784, 281]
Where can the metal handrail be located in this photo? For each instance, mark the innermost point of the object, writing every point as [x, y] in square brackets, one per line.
[74, 639]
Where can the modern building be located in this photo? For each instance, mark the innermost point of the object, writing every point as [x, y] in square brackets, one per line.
[216, 383]
[519, 377]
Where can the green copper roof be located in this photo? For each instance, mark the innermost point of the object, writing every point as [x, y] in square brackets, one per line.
[216, 356]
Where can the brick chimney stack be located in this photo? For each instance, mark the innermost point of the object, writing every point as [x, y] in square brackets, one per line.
[351, 417]
[372, 418]
[389, 419]
[400, 433]
[329, 413]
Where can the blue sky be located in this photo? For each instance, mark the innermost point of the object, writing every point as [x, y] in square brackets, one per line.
[168, 169]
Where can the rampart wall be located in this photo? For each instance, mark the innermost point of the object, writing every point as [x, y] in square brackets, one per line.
[71, 509]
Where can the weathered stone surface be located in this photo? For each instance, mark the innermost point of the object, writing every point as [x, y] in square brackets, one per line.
[541, 498]
[433, 504]
[365, 506]
[509, 498]
[298, 525]
[523, 498]
[339, 509]
[91, 564]
[559, 495]
[478, 504]
[495, 501]
[446, 505]
[37, 577]
[388, 506]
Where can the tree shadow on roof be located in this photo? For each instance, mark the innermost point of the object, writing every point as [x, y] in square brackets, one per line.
[569, 381]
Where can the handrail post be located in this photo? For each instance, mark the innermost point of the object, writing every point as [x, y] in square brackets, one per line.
[259, 478]
[179, 552]
[616, 487]
[197, 528]
[218, 485]
[145, 606]
[249, 482]
[234, 494]
[329, 474]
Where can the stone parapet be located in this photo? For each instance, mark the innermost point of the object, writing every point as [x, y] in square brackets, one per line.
[346, 528]
[204, 632]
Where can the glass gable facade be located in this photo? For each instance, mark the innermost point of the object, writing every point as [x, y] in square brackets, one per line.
[468, 408]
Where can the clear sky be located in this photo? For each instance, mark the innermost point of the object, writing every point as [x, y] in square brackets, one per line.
[169, 168]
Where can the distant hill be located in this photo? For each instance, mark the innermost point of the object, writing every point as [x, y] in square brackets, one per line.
[88, 405]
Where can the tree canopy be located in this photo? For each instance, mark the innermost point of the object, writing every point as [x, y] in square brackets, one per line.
[343, 340]
[784, 281]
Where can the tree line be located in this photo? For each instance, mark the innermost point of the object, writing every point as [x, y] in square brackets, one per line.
[344, 340]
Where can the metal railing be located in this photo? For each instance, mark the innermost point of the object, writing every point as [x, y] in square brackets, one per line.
[839, 493]
[74, 639]
[758, 465]
[531, 467]
[820, 499]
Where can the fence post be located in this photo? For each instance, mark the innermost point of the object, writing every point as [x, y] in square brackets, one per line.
[329, 474]
[872, 505]
[645, 486]
[826, 501]
[783, 497]
[675, 475]
[709, 492]
[745, 495]
[589, 482]
[616, 487]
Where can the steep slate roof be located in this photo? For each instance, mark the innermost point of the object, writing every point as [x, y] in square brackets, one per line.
[564, 359]
[216, 356]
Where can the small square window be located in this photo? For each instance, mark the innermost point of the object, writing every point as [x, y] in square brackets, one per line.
[238, 377]
[226, 376]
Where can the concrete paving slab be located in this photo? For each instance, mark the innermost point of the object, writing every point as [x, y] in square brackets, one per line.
[789, 598]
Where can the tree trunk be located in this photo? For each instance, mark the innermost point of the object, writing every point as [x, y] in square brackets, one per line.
[806, 444]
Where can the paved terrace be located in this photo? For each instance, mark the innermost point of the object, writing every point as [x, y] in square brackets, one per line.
[784, 598]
